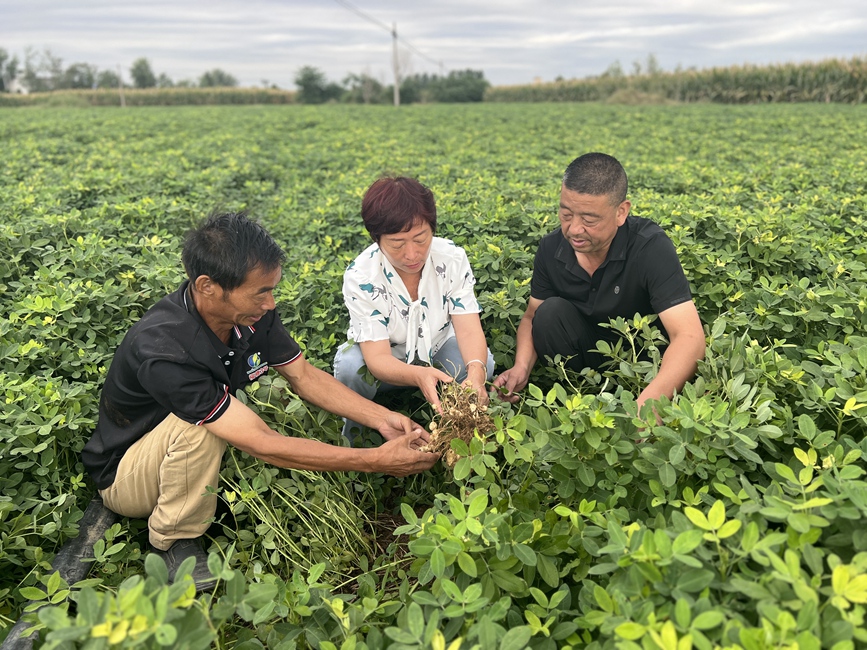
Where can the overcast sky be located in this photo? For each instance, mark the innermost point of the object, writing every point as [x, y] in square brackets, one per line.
[512, 41]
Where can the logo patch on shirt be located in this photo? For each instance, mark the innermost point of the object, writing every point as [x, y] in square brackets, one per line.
[257, 367]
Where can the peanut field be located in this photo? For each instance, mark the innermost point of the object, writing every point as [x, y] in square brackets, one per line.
[737, 521]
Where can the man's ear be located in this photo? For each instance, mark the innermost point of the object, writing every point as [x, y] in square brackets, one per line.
[623, 212]
[205, 286]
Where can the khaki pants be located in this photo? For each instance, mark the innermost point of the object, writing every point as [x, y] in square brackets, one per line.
[163, 477]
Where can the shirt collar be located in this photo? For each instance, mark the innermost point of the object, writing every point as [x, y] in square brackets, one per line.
[239, 334]
[616, 251]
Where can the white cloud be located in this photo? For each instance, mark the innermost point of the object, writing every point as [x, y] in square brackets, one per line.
[513, 41]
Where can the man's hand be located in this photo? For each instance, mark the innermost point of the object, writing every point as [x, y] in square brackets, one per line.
[427, 379]
[395, 425]
[510, 382]
[400, 457]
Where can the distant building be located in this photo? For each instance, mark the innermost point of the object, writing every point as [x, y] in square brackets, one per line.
[15, 86]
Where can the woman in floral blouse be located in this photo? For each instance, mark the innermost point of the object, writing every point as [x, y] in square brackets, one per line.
[413, 315]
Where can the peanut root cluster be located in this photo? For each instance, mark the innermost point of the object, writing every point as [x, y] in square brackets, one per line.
[460, 418]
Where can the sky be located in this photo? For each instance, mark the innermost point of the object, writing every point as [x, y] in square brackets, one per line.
[512, 41]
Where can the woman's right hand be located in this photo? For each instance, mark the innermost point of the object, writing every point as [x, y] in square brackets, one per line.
[427, 378]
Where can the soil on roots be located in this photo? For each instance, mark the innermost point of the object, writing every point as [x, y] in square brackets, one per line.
[461, 417]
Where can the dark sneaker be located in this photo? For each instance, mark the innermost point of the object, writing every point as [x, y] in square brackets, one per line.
[180, 551]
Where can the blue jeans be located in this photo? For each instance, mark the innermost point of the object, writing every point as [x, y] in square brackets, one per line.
[349, 370]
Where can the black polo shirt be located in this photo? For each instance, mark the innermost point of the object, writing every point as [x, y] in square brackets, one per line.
[641, 274]
[171, 362]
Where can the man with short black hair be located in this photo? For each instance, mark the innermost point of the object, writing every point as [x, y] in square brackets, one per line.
[601, 264]
[167, 409]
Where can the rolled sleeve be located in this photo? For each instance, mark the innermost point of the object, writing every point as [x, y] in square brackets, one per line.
[282, 348]
[368, 312]
[462, 296]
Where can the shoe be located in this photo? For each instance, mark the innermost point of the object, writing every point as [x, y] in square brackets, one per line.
[180, 551]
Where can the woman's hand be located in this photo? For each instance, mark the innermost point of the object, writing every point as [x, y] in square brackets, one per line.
[476, 378]
[427, 379]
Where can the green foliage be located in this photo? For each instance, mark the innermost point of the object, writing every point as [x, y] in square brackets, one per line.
[79, 75]
[107, 79]
[142, 74]
[217, 78]
[314, 88]
[364, 89]
[731, 516]
[457, 86]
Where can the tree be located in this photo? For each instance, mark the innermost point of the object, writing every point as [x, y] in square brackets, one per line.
[4, 55]
[416, 88]
[314, 88]
[364, 89]
[142, 74]
[42, 72]
[615, 70]
[107, 79]
[460, 86]
[216, 78]
[8, 70]
[164, 81]
[79, 75]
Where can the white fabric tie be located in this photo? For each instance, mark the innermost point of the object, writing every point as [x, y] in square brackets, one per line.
[418, 335]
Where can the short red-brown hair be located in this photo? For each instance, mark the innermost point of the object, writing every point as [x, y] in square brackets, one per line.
[395, 204]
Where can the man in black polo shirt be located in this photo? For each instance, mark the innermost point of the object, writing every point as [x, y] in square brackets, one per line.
[167, 408]
[600, 264]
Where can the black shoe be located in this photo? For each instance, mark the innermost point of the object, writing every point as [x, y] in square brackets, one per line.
[180, 551]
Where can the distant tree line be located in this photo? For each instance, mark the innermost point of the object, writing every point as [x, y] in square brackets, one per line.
[45, 72]
[456, 86]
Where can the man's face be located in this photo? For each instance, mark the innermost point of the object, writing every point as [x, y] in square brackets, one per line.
[246, 304]
[589, 222]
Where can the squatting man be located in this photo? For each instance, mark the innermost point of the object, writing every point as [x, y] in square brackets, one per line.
[167, 409]
[603, 263]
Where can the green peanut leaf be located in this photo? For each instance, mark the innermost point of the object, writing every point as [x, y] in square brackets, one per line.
[698, 518]
[630, 631]
[717, 515]
[467, 564]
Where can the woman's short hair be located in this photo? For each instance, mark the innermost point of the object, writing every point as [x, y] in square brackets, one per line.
[226, 247]
[395, 204]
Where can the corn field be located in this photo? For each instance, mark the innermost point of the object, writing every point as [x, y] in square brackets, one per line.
[833, 80]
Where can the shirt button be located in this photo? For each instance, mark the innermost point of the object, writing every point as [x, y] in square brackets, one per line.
[228, 363]
[231, 354]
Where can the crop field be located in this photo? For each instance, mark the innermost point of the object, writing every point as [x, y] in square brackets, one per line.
[737, 521]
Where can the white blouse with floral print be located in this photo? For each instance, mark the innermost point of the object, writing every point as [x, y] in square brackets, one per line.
[380, 307]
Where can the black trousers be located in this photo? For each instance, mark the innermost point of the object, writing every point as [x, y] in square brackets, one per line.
[559, 328]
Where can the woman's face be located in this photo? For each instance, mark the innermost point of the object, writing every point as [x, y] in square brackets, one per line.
[407, 251]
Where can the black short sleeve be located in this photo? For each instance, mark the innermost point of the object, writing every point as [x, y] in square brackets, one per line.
[541, 285]
[283, 348]
[667, 285]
